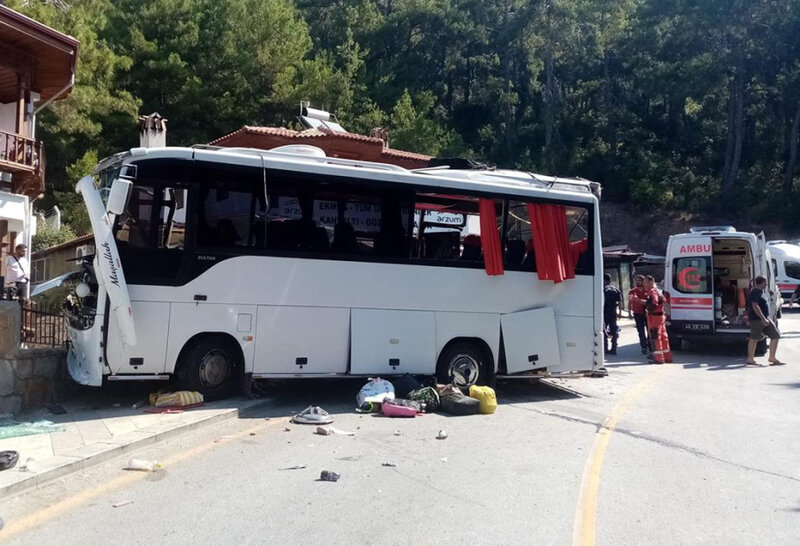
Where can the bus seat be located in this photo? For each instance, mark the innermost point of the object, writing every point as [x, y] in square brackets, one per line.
[515, 252]
[344, 238]
[472, 248]
[226, 233]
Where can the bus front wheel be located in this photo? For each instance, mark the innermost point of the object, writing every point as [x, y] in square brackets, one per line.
[208, 365]
[464, 363]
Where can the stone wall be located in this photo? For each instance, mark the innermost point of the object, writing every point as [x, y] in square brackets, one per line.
[28, 377]
[31, 378]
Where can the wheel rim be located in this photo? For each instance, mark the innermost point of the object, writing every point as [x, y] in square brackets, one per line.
[214, 368]
[464, 369]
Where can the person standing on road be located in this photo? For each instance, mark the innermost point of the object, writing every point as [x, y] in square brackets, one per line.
[637, 299]
[612, 309]
[656, 323]
[17, 270]
[760, 324]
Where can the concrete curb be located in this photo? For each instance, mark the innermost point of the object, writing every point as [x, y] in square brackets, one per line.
[14, 480]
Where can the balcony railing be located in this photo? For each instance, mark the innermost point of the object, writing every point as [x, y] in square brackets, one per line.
[25, 156]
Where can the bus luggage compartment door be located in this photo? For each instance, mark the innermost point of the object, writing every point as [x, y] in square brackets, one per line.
[530, 339]
[392, 342]
[301, 340]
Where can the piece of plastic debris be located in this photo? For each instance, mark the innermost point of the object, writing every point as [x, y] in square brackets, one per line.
[296, 467]
[327, 431]
[396, 433]
[389, 464]
[442, 435]
[444, 459]
[313, 415]
[329, 476]
[252, 434]
[30, 465]
[286, 429]
[122, 503]
[143, 465]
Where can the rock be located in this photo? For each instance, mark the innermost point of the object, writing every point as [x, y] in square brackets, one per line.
[46, 366]
[10, 404]
[23, 368]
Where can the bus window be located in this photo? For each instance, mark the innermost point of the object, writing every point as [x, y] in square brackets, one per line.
[225, 218]
[447, 228]
[520, 253]
[579, 239]
[172, 219]
[135, 226]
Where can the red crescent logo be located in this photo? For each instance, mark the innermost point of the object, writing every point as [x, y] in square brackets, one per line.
[689, 278]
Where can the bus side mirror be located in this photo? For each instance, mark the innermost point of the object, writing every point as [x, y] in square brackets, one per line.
[118, 196]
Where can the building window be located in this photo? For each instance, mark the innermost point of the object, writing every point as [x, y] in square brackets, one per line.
[39, 270]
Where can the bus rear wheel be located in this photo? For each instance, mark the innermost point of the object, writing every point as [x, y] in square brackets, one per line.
[209, 366]
[464, 364]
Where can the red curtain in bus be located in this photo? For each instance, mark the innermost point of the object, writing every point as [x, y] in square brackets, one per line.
[490, 238]
[554, 254]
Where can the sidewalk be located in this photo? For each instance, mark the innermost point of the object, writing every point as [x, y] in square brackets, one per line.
[97, 429]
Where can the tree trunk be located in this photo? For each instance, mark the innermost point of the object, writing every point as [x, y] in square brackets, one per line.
[733, 149]
[611, 132]
[508, 107]
[549, 92]
[791, 162]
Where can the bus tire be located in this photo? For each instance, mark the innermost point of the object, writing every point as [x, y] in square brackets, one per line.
[464, 363]
[209, 365]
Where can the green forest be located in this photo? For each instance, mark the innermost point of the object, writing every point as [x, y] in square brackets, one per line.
[673, 105]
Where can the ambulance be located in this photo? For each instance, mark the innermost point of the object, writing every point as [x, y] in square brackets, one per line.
[785, 266]
[708, 273]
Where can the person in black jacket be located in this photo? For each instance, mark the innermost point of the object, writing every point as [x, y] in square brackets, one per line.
[612, 308]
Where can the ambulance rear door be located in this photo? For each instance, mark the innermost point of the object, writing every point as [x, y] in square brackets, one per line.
[692, 292]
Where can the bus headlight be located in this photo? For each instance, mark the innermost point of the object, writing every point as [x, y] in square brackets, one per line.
[82, 290]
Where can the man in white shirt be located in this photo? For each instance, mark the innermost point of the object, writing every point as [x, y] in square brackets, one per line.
[18, 270]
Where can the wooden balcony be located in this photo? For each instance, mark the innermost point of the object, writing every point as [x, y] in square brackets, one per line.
[24, 159]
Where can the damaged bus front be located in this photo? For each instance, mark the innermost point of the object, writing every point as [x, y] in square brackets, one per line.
[101, 291]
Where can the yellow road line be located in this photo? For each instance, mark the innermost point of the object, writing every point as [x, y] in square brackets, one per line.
[583, 532]
[44, 515]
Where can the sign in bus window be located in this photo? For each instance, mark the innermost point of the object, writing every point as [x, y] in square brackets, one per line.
[691, 275]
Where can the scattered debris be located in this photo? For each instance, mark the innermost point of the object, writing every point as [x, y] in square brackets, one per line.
[442, 435]
[296, 467]
[178, 399]
[389, 464]
[327, 431]
[287, 429]
[122, 503]
[9, 428]
[397, 407]
[443, 459]
[252, 434]
[313, 415]
[8, 459]
[485, 396]
[143, 465]
[56, 409]
[397, 433]
[373, 392]
[329, 476]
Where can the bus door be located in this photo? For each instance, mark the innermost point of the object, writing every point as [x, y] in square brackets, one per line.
[692, 297]
[530, 339]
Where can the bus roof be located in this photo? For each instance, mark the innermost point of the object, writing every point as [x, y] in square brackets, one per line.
[311, 159]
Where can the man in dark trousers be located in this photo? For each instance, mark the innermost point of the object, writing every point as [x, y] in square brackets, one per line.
[760, 324]
[612, 306]
[637, 299]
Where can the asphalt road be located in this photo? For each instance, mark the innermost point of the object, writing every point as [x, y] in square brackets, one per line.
[704, 451]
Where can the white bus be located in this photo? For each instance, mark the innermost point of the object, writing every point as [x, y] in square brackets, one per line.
[217, 265]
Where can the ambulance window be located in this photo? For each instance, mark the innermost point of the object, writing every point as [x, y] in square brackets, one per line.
[792, 269]
[692, 275]
[774, 267]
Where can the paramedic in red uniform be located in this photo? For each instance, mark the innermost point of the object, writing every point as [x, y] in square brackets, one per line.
[656, 322]
[637, 299]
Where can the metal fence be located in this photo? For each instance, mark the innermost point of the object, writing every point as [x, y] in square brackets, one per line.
[42, 325]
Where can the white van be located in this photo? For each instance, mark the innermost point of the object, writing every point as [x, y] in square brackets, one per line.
[707, 276]
[785, 266]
